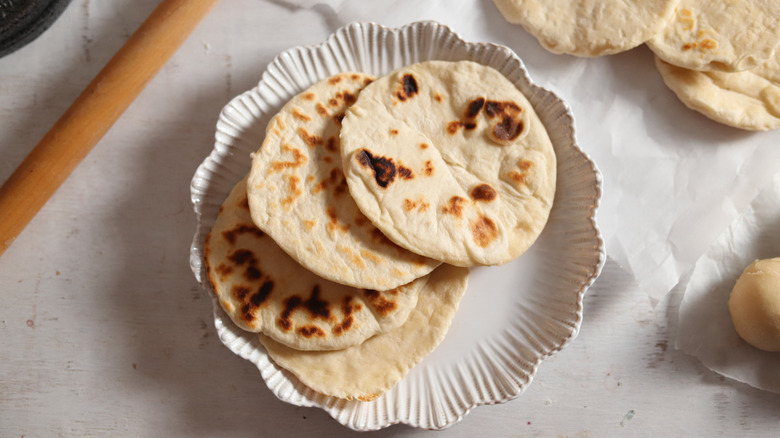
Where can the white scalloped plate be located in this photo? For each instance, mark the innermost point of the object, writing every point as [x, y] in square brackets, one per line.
[512, 316]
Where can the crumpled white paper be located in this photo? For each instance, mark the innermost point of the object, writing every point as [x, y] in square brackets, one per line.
[673, 179]
[704, 327]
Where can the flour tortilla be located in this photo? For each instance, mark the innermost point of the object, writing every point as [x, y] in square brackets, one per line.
[588, 27]
[298, 194]
[262, 289]
[366, 371]
[450, 161]
[727, 36]
[747, 100]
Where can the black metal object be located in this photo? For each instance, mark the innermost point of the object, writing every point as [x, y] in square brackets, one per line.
[21, 21]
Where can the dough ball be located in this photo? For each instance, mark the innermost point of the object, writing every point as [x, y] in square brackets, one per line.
[754, 304]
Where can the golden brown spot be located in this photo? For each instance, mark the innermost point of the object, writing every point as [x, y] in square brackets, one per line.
[483, 192]
[437, 97]
[428, 169]
[327, 159]
[454, 206]
[393, 132]
[368, 255]
[355, 77]
[300, 116]
[484, 231]
[335, 80]
[309, 96]
[334, 224]
[309, 225]
[310, 331]
[418, 204]
[517, 177]
[333, 102]
[338, 118]
[709, 44]
[295, 190]
[688, 46]
[281, 124]
[321, 110]
[367, 81]
[357, 261]
[309, 139]
[298, 160]
[368, 397]
[525, 164]
[379, 303]
[423, 146]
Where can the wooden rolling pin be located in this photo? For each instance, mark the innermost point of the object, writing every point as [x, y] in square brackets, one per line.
[94, 111]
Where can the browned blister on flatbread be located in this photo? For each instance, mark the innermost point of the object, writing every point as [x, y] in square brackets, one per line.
[450, 160]
[263, 290]
[298, 193]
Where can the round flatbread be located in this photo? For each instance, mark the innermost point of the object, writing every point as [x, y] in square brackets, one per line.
[747, 100]
[298, 194]
[724, 36]
[263, 290]
[366, 371]
[588, 27]
[450, 161]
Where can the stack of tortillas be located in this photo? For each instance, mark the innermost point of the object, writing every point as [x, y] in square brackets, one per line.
[721, 58]
[347, 247]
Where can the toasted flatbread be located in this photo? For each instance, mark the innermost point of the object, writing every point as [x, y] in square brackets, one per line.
[588, 27]
[450, 160]
[726, 36]
[298, 194]
[366, 371]
[747, 100]
[263, 290]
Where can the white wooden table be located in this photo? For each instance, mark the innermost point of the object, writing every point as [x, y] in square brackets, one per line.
[105, 332]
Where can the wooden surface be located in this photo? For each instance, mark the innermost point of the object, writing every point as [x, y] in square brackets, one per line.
[105, 332]
[97, 108]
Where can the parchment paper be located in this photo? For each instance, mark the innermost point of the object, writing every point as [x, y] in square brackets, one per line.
[704, 328]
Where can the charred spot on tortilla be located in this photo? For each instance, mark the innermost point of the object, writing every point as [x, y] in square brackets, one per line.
[407, 88]
[475, 107]
[510, 124]
[384, 168]
[483, 192]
